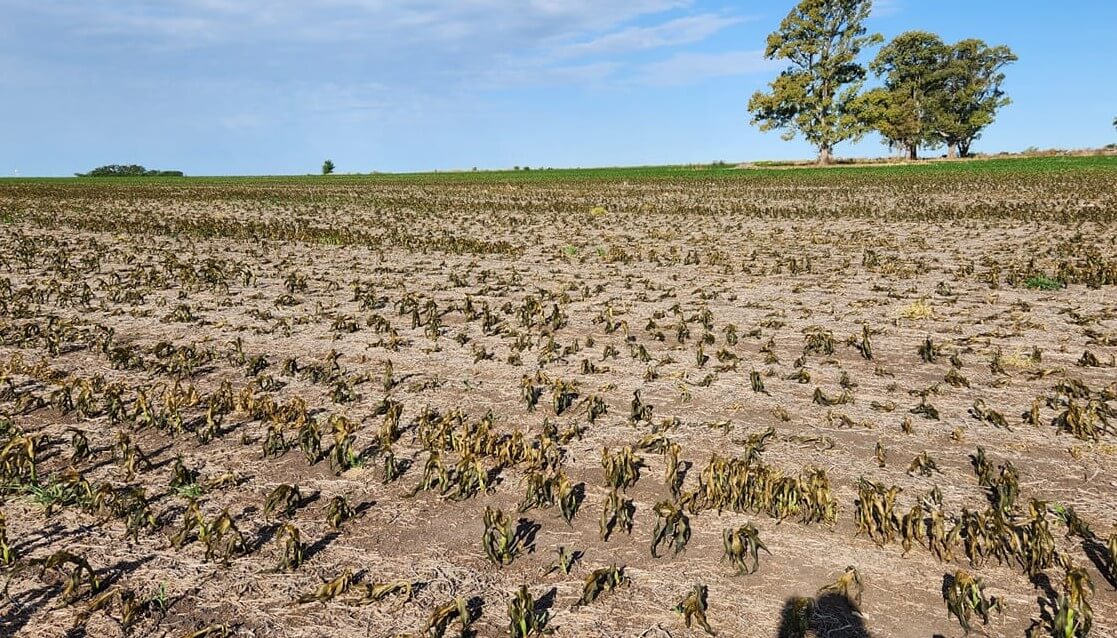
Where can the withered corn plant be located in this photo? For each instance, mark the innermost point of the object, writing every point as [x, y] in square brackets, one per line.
[338, 511]
[798, 615]
[671, 526]
[570, 498]
[375, 592]
[7, 553]
[565, 561]
[440, 619]
[1111, 551]
[1074, 617]
[601, 581]
[292, 549]
[693, 608]
[965, 599]
[618, 511]
[524, 620]
[78, 574]
[849, 585]
[329, 590]
[222, 538]
[923, 464]
[876, 511]
[283, 501]
[499, 539]
[622, 469]
[742, 548]
[128, 605]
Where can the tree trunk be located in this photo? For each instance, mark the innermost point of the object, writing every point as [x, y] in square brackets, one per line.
[824, 156]
[952, 151]
[913, 152]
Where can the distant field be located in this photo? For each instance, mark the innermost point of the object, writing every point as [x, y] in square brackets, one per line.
[761, 170]
[482, 381]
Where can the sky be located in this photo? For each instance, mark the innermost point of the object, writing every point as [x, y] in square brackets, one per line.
[239, 87]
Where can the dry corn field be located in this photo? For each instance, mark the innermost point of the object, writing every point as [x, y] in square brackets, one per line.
[847, 402]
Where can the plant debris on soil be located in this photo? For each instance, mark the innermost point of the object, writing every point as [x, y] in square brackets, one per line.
[829, 403]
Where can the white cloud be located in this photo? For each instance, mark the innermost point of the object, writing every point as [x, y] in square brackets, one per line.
[683, 30]
[432, 46]
[688, 68]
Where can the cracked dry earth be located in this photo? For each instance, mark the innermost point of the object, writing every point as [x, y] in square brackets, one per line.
[839, 359]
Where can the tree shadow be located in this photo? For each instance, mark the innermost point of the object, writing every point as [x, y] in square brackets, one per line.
[831, 615]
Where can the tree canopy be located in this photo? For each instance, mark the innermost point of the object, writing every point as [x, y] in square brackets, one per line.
[904, 108]
[931, 93]
[971, 92]
[128, 170]
[814, 96]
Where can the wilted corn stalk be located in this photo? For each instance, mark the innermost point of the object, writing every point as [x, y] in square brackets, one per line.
[499, 538]
[565, 561]
[293, 549]
[671, 525]
[471, 475]
[640, 410]
[797, 617]
[1074, 616]
[742, 548]
[673, 477]
[79, 573]
[849, 585]
[923, 464]
[540, 490]
[966, 597]
[310, 442]
[221, 537]
[622, 469]
[600, 581]
[338, 511]
[524, 621]
[329, 590]
[284, 500]
[693, 608]
[757, 382]
[876, 511]
[7, 554]
[569, 498]
[444, 614]
[617, 511]
[1111, 550]
[375, 592]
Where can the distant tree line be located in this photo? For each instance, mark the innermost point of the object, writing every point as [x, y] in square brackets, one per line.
[932, 94]
[128, 170]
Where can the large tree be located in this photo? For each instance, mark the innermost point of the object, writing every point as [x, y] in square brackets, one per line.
[971, 93]
[903, 110]
[814, 96]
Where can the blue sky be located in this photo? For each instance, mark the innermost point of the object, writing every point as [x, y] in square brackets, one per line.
[276, 86]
